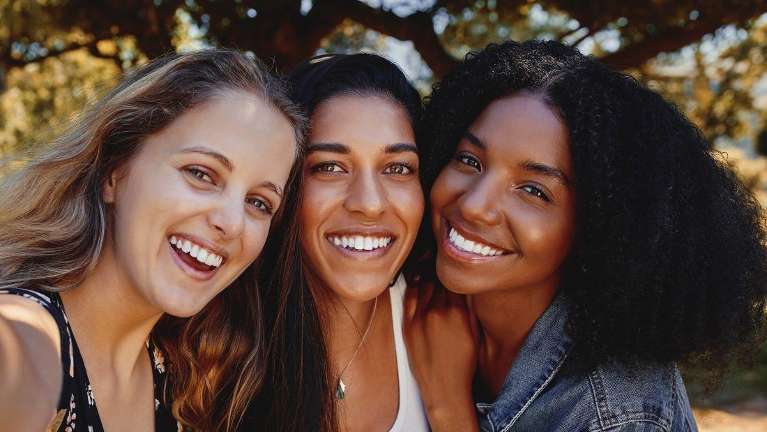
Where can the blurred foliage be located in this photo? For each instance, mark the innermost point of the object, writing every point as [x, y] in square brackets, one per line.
[43, 97]
[58, 56]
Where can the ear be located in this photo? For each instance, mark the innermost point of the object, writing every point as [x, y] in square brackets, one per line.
[108, 190]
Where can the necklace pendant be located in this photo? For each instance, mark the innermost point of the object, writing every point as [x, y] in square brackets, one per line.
[340, 389]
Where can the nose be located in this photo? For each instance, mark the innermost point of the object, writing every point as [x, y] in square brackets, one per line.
[227, 218]
[479, 203]
[366, 196]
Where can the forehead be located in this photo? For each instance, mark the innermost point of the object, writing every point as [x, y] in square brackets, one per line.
[242, 127]
[363, 123]
[523, 127]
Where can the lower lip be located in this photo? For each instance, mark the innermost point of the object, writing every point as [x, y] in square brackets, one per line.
[460, 255]
[189, 270]
[362, 254]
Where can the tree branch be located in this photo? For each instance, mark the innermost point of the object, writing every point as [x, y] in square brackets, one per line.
[673, 39]
[417, 27]
[9, 61]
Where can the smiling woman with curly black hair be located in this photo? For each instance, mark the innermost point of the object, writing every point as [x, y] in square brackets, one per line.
[597, 238]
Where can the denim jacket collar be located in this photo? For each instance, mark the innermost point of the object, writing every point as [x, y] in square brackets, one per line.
[540, 358]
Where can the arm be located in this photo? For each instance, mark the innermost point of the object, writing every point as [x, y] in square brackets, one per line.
[30, 365]
[442, 347]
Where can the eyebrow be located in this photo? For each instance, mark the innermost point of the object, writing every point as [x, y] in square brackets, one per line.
[401, 148]
[343, 149]
[229, 165]
[535, 167]
[328, 147]
[273, 187]
[474, 140]
[216, 155]
[547, 171]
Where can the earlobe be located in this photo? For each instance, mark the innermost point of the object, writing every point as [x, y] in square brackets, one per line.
[108, 189]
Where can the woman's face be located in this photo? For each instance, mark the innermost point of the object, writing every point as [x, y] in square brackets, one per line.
[362, 200]
[192, 209]
[503, 209]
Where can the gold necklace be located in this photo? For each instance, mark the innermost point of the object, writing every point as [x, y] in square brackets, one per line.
[340, 385]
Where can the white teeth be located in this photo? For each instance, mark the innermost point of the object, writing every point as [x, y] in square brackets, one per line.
[360, 243]
[198, 252]
[202, 255]
[478, 248]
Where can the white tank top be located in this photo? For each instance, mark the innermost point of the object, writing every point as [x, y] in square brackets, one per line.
[411, 416]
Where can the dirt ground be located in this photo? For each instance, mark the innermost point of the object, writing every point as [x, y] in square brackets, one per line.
[748, 416]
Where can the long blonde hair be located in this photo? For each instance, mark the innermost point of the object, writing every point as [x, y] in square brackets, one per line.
[53, 222]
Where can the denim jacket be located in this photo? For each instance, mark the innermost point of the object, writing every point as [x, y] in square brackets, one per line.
[537, 396]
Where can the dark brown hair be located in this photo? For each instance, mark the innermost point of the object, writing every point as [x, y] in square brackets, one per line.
[299, 391]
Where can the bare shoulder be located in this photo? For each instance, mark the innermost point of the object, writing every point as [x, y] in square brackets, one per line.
[30, 319]
[31, 373]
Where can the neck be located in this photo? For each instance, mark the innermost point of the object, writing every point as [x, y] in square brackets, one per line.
[110, 319]
[506, 318]
[345, 324]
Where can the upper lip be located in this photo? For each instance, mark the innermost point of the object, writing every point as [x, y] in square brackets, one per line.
[371, 232]
[471, 235]
[210, 246]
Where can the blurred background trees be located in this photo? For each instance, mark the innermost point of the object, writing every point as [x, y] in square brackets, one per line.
[709, 57]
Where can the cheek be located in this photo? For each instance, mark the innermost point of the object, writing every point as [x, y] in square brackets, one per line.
[545, 236]
[409, 204]
[450, 184]
[319, 201]
[255, 240]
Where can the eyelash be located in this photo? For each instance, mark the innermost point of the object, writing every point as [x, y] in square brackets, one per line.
[199, 174]
[468, 160]
[264, 207]
[536, 192]
[323, 168]
[202, 175]
[406, 167]
[472, 162]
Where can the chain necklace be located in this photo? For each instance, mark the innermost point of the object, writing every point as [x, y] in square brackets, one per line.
[340, 385]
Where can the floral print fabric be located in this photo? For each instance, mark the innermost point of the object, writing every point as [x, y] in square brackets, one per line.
[77, 404]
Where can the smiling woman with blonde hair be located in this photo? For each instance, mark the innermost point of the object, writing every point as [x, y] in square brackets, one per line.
[148, 208]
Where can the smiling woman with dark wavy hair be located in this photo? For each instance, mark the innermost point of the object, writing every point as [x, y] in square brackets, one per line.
[598, 240]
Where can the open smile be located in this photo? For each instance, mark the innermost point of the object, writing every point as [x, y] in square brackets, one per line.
[195, 260]
[361, 245]
[465, 246]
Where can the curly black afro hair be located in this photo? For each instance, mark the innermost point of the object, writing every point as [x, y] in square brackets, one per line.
[669, 259]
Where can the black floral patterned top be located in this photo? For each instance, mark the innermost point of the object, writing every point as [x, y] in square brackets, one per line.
[77, 404]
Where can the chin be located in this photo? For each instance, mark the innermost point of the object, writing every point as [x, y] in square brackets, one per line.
[360, 289]
[457, 281]
[183, 305]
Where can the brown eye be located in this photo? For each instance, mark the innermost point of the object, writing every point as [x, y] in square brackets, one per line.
[327, 167]
[469, 160]
[536, 192]
[398, 169]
